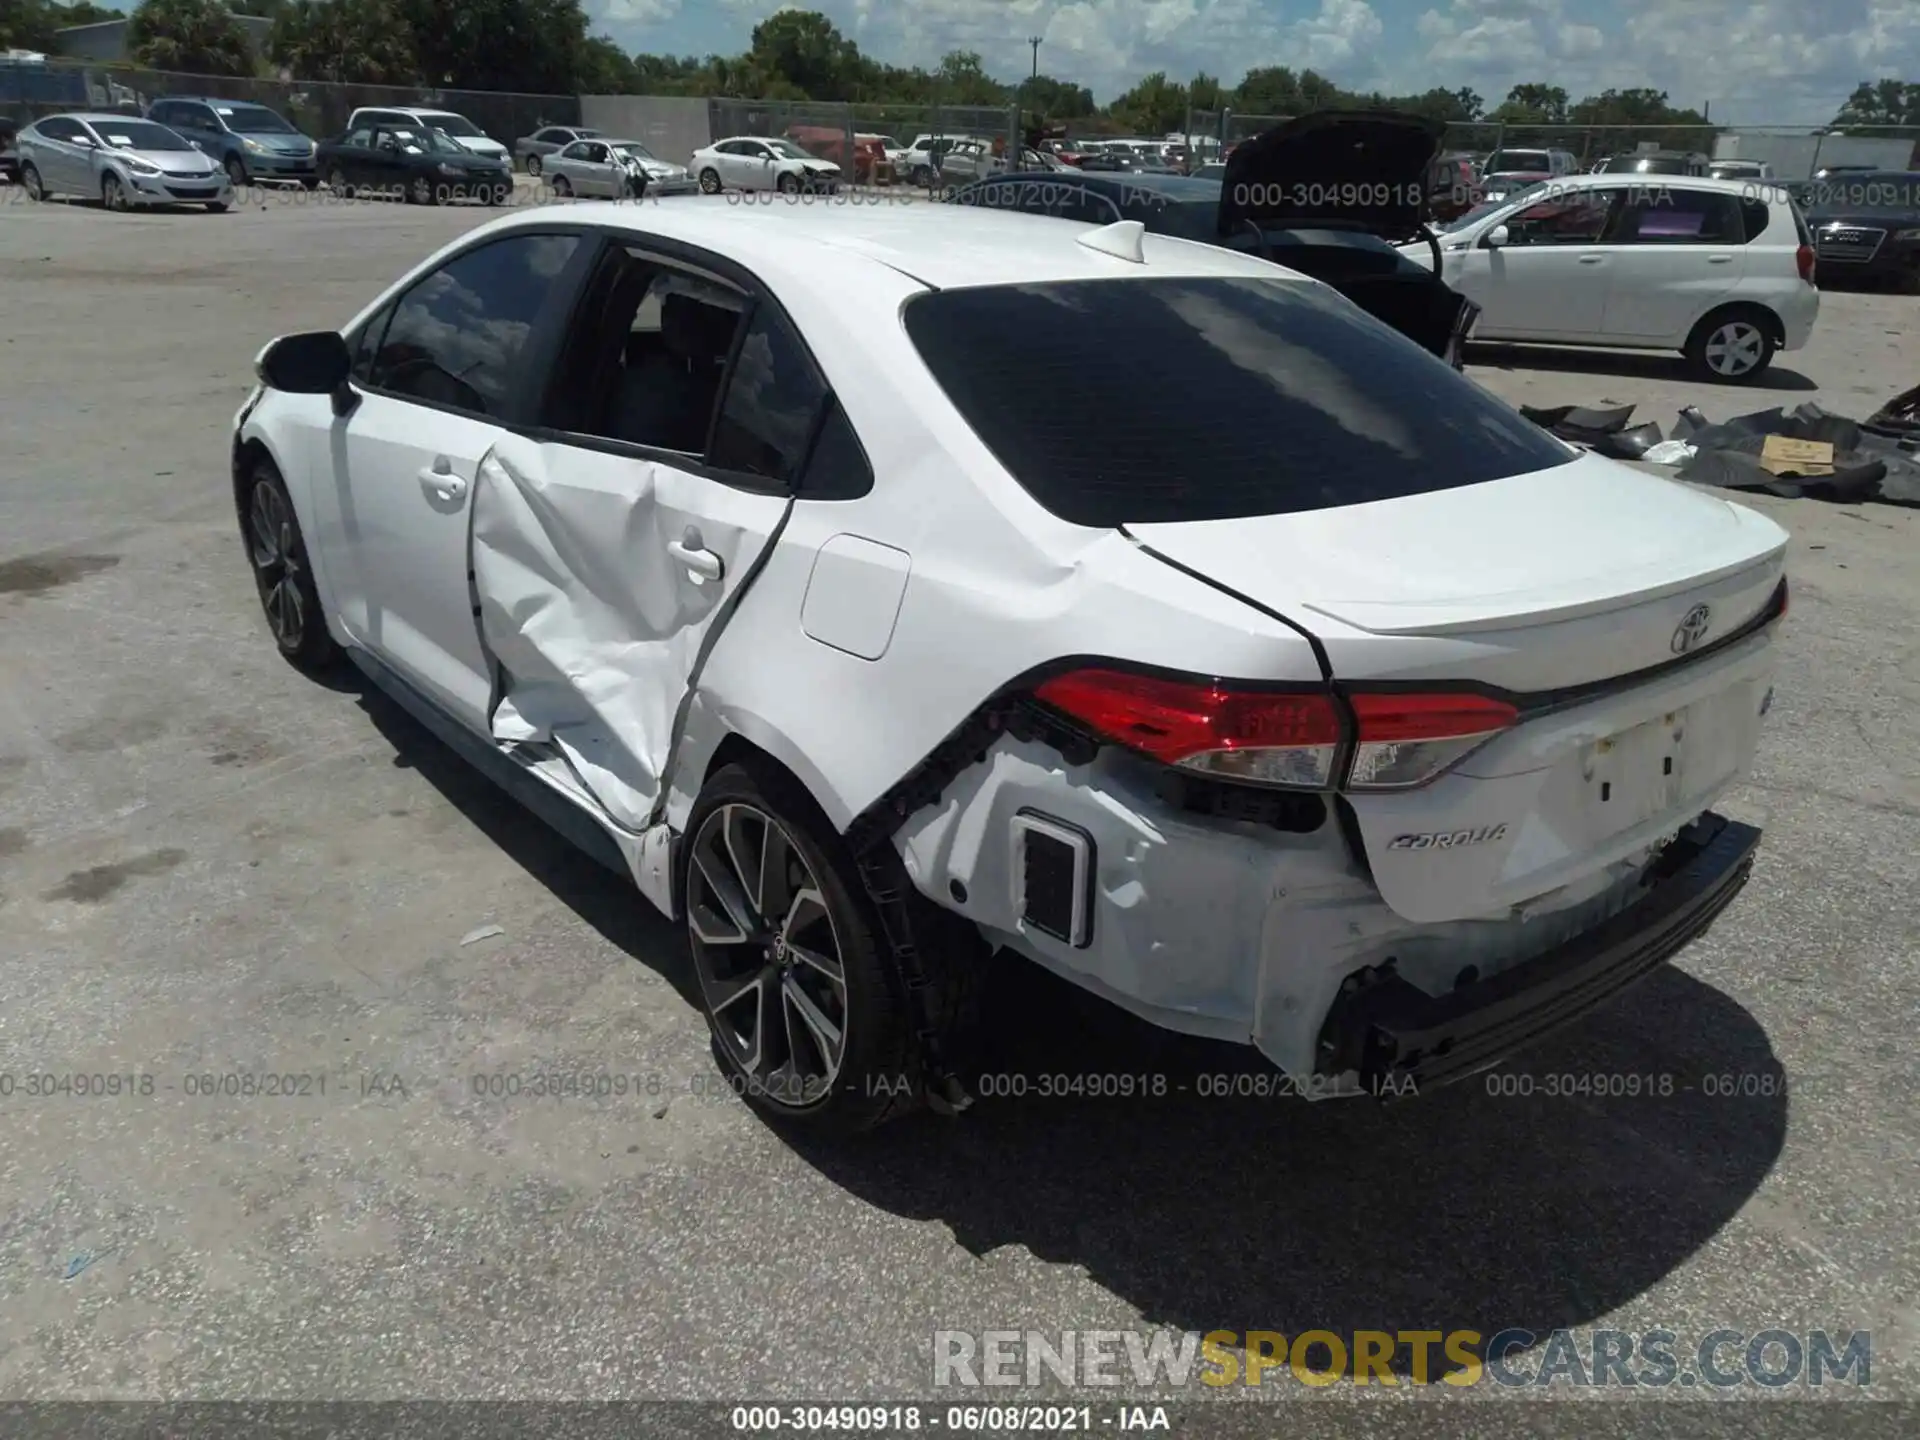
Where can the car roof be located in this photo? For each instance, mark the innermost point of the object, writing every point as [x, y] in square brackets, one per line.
[942, 246]
[94, 117]
[1626, 180]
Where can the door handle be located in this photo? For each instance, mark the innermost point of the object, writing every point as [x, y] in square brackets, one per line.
[439, 481]
[703, 563]
[1718, 259]
[1591, 259]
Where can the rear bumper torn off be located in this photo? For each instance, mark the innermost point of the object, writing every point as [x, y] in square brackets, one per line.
[1399, 1039]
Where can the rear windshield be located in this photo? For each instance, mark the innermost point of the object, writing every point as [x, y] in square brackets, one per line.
[1261, 397]
[1518, 161]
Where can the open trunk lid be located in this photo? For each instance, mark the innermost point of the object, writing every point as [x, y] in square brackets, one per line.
[1363, 169]
[1624, 617]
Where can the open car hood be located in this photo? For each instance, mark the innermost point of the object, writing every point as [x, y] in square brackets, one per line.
[1359, 169]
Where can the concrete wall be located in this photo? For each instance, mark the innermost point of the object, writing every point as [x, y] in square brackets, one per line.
[670, 126]
[1795, 157]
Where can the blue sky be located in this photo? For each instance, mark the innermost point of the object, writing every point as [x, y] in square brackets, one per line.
[1757, 61]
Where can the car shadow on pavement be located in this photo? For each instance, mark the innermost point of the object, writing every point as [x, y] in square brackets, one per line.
[1629, 364]
[1475, 1206]
[1223, 1202]
[604, 900]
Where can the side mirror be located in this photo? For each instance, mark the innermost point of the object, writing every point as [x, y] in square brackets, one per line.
[315, 363]
[1497, 237]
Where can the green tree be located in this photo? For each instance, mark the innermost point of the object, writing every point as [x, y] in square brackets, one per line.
[533, 46]
[32, 24]
[1621, 120]
[1155, 106]
[963, 80]
[1058, 99]
[1894, 103]
[361, 42]
[192, 37]
[605, 69]
[803, 48]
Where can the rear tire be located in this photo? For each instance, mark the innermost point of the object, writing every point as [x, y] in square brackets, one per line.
[1733, 346]
[278, 554]
[533, 164]
[809, 1023]
[709, 182]
[562, 187]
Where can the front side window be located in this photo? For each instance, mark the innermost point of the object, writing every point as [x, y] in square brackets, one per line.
[459, 336]
[1310, 402]
[1576, 217]
[453, 124]
[256, 120]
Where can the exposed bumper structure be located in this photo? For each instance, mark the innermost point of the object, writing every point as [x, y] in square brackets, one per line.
[1393, 1033]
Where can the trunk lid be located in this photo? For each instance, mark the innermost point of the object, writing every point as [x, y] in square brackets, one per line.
[1594, 596]
[1366, 169]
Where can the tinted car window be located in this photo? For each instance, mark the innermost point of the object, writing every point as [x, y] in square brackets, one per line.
[1662, 215]
[1577, 218]
[58, 129]
[838, 468]
[1310, 403]
[773, 398]
[458, 336]
[1754, 215]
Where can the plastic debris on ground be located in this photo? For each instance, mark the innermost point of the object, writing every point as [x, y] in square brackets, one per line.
[1805, 452]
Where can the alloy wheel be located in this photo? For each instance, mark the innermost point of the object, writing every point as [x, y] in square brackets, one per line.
[1735, 348]
[276, 564]
[30, 178]
[533, 164]
[709, 182]
[112, 193]
[768, 955]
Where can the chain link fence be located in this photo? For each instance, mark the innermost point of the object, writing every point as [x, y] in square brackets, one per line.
[922, 145]
[317, 108]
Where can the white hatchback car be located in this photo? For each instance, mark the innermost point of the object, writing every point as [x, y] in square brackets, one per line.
[1346, 714]
[1721, 270]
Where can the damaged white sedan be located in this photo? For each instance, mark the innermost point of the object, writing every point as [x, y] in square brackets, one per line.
[883, 588]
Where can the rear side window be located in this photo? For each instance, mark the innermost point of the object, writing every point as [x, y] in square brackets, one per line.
[1754, 217]
[1660, 215]
[773, 397]
[1263, 397]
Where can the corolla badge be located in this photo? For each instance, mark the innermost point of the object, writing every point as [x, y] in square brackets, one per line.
[1692, 629]
[1448, 839]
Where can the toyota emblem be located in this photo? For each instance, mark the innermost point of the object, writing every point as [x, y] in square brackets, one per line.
[1692, 629]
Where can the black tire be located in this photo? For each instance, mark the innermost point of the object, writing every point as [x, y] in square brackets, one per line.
[788, 184]
[277, 554]
[562, 186]
[533, 164]
[1736, 336]
[310, 182]
[923, 177]
[709, 181]
[872, 1080]
[30, 181]
[216, 207]
[113, 194]
[496, 194]
[236, 169]
[337, 183]
[421, 192]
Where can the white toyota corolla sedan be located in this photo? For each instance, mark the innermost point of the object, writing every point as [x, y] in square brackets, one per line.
[882, 588]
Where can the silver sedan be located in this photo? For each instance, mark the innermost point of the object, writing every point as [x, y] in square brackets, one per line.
[119, 160]
[614, 168]
[532, 151]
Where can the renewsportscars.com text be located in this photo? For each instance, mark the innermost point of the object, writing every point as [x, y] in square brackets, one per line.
[1719, 1359]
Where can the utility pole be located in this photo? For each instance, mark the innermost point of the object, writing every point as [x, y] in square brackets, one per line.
[1034, 41]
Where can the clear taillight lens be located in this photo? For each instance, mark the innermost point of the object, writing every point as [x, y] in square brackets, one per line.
[1407, 740]
[1285, 738]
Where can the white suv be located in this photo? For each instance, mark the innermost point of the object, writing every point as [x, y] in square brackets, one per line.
[457, 128]
[1721, 270]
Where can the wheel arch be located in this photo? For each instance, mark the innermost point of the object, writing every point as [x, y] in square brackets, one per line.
[1768, 317]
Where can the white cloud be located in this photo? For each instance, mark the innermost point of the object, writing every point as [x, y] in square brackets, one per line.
[1756, 60]
[636, 12]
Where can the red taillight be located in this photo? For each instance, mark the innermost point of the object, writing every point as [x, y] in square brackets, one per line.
[1267, 737]
[1803, 257]
[1407, 740]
